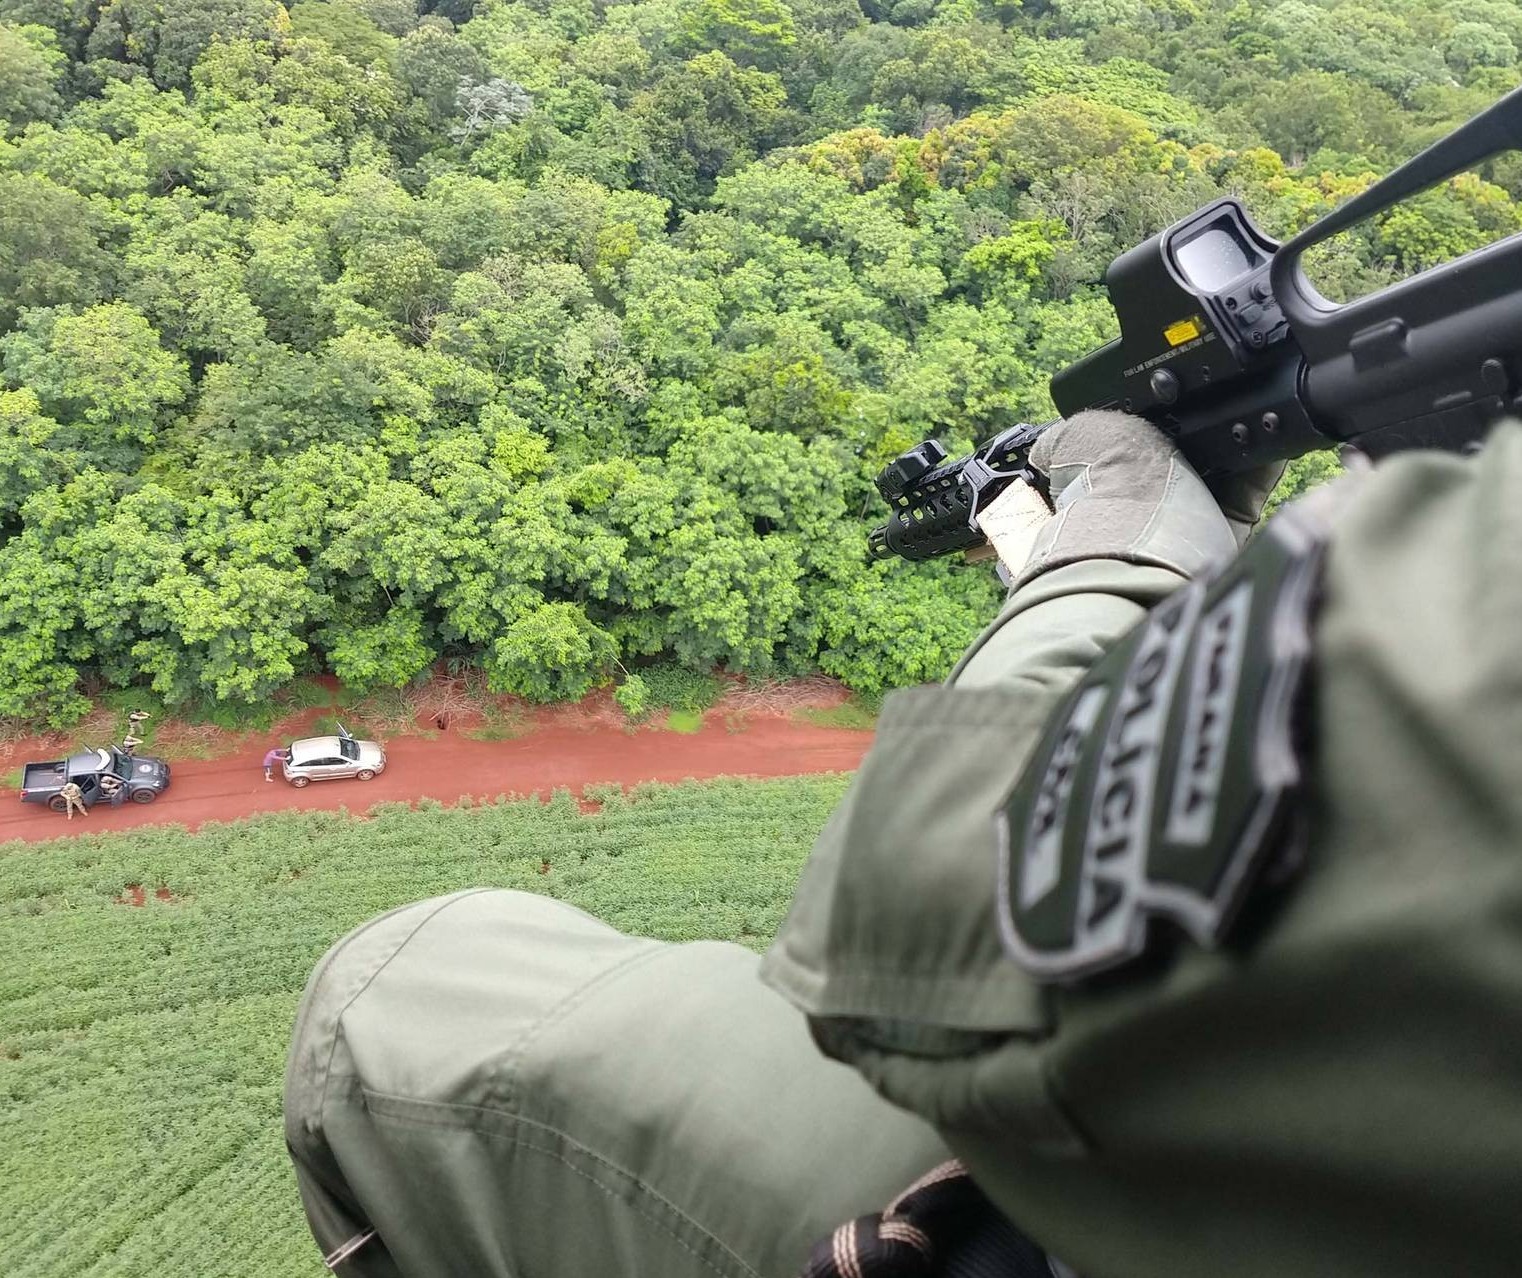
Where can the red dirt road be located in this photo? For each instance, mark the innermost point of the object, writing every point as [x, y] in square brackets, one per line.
[552, 756]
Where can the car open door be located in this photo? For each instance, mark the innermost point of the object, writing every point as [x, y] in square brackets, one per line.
[348, 747]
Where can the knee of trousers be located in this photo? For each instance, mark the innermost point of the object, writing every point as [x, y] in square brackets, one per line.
[404, 1002]
[501, 1084]
[419, 1014]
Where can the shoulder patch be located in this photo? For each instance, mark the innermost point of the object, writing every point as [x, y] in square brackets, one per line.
[1161, 783]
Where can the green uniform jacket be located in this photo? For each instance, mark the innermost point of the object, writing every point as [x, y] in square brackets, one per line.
[1337, 1091]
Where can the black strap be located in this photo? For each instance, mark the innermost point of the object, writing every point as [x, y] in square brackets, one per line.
[942, 1226]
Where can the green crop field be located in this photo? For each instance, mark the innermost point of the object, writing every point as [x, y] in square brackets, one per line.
[141, 1047]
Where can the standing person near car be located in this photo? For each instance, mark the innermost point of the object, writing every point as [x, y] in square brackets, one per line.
[73, 797]
[1187, 916]
[273, 759]
[132, 740]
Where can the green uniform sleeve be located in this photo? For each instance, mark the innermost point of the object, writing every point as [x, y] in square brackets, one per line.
[914, 837]
[1058, 625]
[920, 813]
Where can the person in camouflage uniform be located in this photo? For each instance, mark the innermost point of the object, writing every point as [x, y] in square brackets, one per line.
[135, 721]
[1187, 916]
[73, 800]
[113, 789]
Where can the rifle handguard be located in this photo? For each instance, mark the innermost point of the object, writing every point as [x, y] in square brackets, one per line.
[935, 512]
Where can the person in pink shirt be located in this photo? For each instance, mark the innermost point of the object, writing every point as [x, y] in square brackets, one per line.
[271, 758]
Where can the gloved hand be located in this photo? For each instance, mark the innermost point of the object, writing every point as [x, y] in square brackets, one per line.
[1120, 489]
[1243, 495]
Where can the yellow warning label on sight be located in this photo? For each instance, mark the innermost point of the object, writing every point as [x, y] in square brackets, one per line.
[1186, 330]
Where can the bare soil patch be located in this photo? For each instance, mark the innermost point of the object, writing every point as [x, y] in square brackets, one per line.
[136, 895]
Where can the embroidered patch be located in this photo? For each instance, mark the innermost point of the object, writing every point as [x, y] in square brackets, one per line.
[1161, 784]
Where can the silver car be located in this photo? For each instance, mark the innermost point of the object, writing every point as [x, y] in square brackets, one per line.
[329, 758]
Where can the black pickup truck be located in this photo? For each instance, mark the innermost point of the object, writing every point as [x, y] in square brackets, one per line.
[142, 777]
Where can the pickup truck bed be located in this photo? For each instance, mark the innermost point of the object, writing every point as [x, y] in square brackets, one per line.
[39, 778]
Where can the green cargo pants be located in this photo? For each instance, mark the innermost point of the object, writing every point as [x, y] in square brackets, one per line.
[495, 1083]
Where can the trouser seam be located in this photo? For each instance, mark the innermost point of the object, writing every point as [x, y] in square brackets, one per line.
[506, 1067]
[517, 1139]
[327, 1069]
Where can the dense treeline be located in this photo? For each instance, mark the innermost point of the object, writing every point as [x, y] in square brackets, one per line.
[560, 334]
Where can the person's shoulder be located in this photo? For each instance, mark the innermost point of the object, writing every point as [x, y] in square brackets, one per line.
[1427, 522]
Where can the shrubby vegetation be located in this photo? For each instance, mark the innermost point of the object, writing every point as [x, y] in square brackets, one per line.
[554, 336]
[142, 1048]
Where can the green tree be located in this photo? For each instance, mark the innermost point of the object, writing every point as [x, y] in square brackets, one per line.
[31, 67]
[788, 380]
[464, 220]
[358, 101]
[287, 273]
[554, 652]
[50, 247]
[1316, 109]
[1433, 228]
[432, 64]
[345, 28]
[395, 17]
[558, 333]
[702, 119]
[889, 627]
[235, 610]
[169, 39]
[1303, 474]
[34, 452]
[43, 649]
[188, 28]
[754, 32]
[387, 653]
[104, 366]
[1478, 44]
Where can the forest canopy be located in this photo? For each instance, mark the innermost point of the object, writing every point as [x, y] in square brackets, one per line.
[555, 336]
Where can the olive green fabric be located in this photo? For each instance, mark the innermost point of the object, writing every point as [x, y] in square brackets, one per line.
[1339, 1090]
[1243, 494]
[914, 826]
[503, 1086]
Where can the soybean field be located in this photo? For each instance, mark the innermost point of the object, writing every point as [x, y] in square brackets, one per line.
[148, 982]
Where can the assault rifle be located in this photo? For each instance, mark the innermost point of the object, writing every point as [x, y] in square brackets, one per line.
[1229, 349]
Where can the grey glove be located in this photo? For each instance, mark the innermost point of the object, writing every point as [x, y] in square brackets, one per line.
[1121, 490]
[1242, 496]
